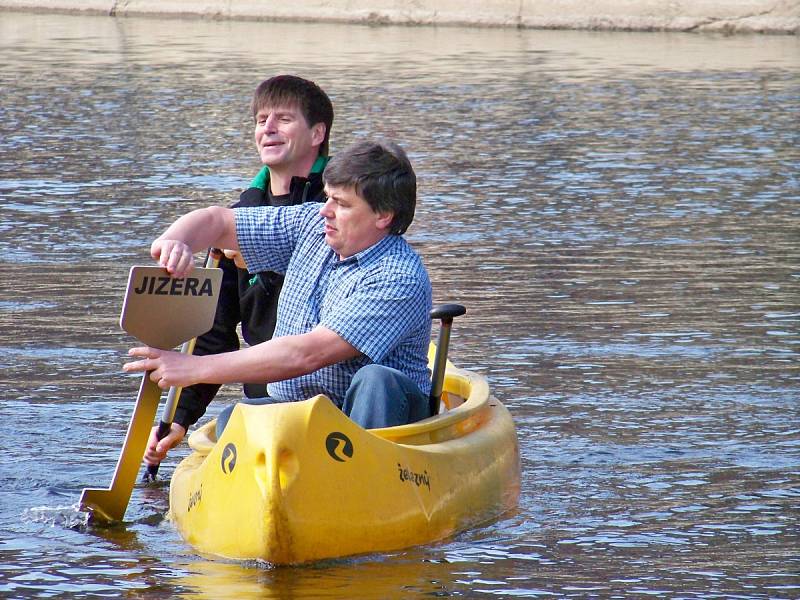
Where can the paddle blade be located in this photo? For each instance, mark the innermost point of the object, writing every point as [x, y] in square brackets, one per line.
[110, 504]
[105, 505]
[163, 312]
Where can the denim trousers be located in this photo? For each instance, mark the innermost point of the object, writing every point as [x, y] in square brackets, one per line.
[378, 396]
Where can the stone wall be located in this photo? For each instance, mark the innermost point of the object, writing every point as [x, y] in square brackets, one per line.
[727, 16]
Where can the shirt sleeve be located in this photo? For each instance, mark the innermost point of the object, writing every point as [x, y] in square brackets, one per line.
[382, 313]
[267, 235]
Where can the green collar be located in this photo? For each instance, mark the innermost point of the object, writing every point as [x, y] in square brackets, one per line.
[261, 180]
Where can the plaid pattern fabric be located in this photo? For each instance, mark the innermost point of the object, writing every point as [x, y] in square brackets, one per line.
[379, 300]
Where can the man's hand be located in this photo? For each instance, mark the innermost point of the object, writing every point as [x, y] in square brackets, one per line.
[175, 256]
[157, 449]
[168, 368]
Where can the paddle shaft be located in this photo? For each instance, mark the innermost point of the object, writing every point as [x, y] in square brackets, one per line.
[110, 504]
[446, 313]
[171, 405]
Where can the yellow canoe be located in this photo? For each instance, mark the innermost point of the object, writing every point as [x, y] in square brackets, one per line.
[296, 482]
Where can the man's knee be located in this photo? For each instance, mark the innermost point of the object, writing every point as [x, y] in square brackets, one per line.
[373, 374]
[381, 396]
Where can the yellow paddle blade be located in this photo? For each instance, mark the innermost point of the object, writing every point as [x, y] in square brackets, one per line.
[110, 504]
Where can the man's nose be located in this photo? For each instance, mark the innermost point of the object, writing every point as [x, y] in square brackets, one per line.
[270, 124]
[326, 209]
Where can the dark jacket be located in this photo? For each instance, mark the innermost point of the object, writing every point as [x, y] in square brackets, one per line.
[251, 300]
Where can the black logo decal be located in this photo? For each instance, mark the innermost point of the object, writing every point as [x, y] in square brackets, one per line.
[195, 498]
[417, 479]
[228, 459]
[339, 446]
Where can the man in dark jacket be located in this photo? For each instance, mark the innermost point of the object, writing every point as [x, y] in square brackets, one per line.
[293, 119]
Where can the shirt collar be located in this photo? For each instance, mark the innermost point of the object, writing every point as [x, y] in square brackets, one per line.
[374, 252]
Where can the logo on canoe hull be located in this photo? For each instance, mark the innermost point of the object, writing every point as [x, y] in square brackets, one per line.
[228, 461]
[339, 446]
[418, 479]
[195, 498]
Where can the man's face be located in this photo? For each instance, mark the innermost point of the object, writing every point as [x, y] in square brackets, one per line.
[350, 223]
[284, 138]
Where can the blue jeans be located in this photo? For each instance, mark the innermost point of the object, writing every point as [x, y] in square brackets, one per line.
[384, 397]
[377, 397]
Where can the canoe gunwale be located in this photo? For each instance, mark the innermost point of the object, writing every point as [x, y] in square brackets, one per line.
[449, 424]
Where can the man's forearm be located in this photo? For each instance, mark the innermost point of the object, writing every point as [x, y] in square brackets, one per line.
[204, 228]
[276, 359]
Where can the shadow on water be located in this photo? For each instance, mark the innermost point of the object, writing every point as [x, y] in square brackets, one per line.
[618, 212]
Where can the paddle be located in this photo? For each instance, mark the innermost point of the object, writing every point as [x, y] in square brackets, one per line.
[168, 414]
[445, 312]
[162, 312]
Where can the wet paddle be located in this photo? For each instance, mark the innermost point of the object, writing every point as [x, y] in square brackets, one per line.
[162, 312]
[446, 313]
[168, 414]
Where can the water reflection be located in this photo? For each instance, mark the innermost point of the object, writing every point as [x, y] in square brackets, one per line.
[376, 577]
[617, 211]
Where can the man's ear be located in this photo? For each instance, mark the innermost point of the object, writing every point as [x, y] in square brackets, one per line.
[318, 133]
[384, 220]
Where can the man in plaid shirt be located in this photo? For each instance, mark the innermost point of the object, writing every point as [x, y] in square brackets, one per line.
[353, 317]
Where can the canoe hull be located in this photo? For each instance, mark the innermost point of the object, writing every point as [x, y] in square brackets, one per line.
[296, 482]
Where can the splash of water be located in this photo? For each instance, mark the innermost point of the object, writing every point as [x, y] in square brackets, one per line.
[68, 517]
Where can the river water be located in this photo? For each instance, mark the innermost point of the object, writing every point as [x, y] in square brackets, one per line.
[619, 212]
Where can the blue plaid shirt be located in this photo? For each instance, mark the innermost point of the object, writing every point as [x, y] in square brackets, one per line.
[378, 300]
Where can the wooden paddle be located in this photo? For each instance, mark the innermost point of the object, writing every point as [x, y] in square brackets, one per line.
[445, 312]
[162, 312]
[168, 414]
